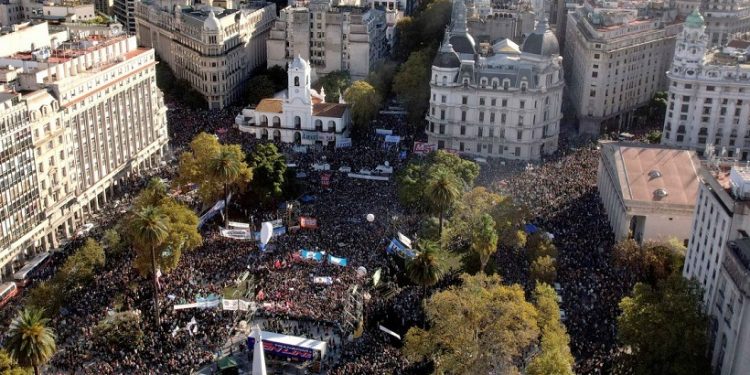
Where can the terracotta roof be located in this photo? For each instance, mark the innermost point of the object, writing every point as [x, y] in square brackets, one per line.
[645, 170]
[270, 106]
[316, 100]
[329, 109]
[739, 44]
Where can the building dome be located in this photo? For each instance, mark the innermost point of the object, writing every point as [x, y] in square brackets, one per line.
[544, 43]
[446, 57]
[463, 43]
[695, 19]
[211, 23]
[299, 63]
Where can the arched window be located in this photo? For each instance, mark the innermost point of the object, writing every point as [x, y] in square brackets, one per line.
[495, 83]
[318, 125]
[296, 81]
[263, 120]
[523, 86]
[445, 80]
[483, 81]
[506, 84]
[331, 125]
[276, 122]
[297, 122]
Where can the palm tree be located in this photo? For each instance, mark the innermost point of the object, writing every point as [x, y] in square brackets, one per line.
[484, 241]
[443, 190]
[149, 230]
[226, 167]
[424, 268]
[30, 342]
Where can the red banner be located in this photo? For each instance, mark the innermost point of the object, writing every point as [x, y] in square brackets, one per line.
[308, 222]
[325, 180]
[424, 147]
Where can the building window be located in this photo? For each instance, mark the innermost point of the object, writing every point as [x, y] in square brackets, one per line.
[296, 81]
[522, 104]
[464, 100]
[480, 131]
[481, 116]
[463, 130]
[492, 118]
[594, 74]
[442, 99]
[442, 114]
[463, 115]
[592, 93]
[481, 101]
[442, 129]
[505, 102]
[479, 147]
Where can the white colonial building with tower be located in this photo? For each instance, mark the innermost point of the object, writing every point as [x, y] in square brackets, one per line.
[299, 115]
[496, 101]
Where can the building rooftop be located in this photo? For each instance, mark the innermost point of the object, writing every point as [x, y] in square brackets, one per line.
[270, 105]
[329, 110]
[655, 174]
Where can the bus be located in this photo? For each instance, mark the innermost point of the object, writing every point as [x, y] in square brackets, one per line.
[22, 276]
[7, 291]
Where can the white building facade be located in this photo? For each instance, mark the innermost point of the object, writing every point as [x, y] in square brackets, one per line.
[615, 59]
[648, 191]
[505, 103]
[213, 48]
[93, 116]
[718, 257]
[332, 38]
[301, 116]
[709, 95]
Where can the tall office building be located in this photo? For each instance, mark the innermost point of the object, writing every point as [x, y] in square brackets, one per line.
[718, 257]
[213, 48]
[124, 12]
[503, 103]
[77, 118]
[330, 37]
[615, 59]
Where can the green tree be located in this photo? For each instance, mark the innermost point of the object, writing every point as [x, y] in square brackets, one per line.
[197, 166]
[654, 137]
[484, 240]
[414, 178]
[269, 170]
[111, 239]
[650, 262]
[148, 230]
[665, 328]
[365, 103]
[277, 74]
[539, 245]
[181, 224]
[30, 342]
[381, 78]
[543, 269]
[259, 87]
[334, 84]
[230, 168]
[554, 356]
[424, 269]
[8, 366]
[443, 190]
[80, 268]
[412, 84]
[478, 327]
[121, 330]
[47, 296]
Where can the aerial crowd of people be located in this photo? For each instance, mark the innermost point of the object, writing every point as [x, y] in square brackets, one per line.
[560, 195]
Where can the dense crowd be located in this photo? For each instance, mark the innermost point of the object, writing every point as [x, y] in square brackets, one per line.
[562, 198]
[559, 193]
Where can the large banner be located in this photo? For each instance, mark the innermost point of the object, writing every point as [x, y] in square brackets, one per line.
[396, 247]
[383, 131]
[392, 139]
[325, 180]
[337, 261]
[424, 147]
[284, 350]
[311, 255]
[308, 222]
[368, 177]
[343, 142]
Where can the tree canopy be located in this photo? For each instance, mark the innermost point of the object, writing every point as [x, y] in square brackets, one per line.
[424, 29]
[30, 342]
[269, 172]
[412, 84]
[180, 224]
[121, 330]
[650, 262]
[196, 167]
[543, 269]
[484, 240]
[665, 328]
[478, 327]
[9, 367]
[424, 269]
[259, 87]
[365, 102]
[414, 178]
[554, 356]
[335, 83]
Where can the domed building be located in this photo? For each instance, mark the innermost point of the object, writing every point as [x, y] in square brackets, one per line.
[499, 101]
